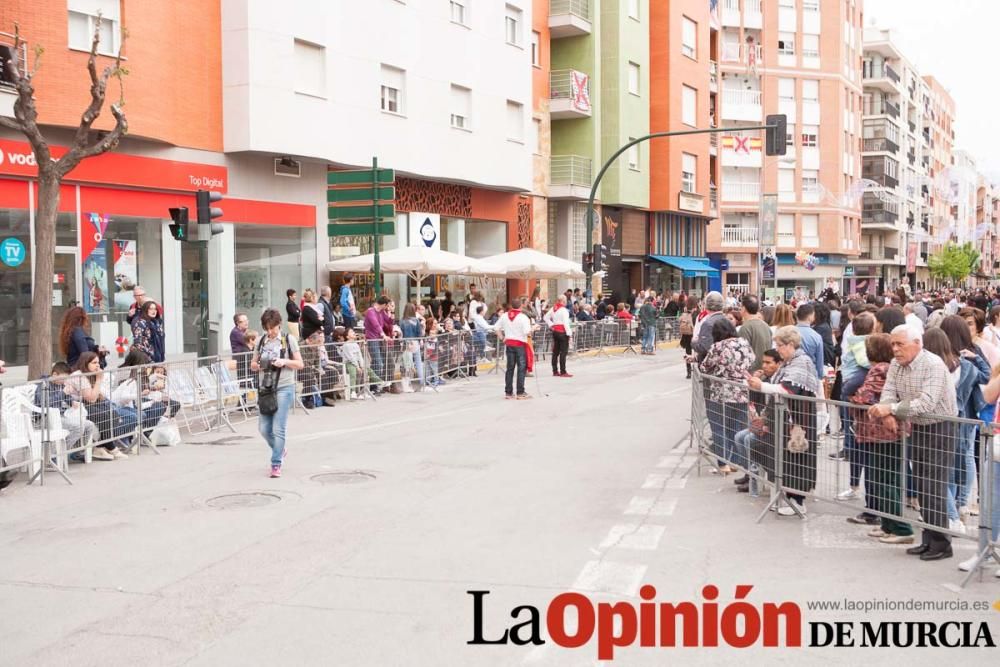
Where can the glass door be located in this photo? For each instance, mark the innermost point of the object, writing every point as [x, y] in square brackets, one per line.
[64, 294]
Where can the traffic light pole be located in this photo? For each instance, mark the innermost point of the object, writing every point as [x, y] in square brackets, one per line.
[611, 160]
[375, 229]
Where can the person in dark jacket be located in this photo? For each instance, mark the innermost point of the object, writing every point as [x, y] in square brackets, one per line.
[74, 337]
[326, 294]
[148, 334]
[312, 315]
[821, 325]
[293, 311]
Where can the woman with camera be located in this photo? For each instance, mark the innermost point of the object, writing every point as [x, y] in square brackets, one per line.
[276, 357]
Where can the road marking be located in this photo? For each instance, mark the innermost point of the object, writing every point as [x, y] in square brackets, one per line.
[384, 424]
[658, 395]
[660, 481]
[633, 536]
[649, 506]
[610, 577]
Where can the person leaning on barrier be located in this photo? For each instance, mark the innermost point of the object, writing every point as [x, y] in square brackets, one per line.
[795, 377]
[918, 387]
[703, 329]
[752, 442]
[729, 359]
[754, 330]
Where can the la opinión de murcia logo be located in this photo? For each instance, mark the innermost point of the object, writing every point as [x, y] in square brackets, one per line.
[572, 621]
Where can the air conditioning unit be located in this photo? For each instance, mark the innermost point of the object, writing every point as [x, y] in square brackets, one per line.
[286, 166]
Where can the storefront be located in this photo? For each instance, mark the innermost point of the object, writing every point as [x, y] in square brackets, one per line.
[112, 235]
[678, 260]
[799, 281]
[681, 274]
[464, 220]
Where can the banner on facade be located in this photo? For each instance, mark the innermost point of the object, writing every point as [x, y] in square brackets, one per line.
[613, 281]
[126, 273]
[911, 257]
[768, 218]
[95, 263]
[425, 230]
[768, 268]
[580, 90]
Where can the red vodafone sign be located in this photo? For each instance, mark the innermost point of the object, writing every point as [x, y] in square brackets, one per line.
[17, 159]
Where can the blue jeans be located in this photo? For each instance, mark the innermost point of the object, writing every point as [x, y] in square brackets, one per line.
[272, 427]
[964, 470]
[726, 419]
[742, 442]
[478, 343]
[417, 359]
[517, 359]
[649, 339]
[375, 349]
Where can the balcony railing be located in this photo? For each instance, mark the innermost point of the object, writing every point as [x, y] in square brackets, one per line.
[883, 72]
[741, 97]
[740, 191]
[752, 6]
[713, 199]
[571, 170]
[561, 84]
[878, 106]
[713, 73]
[739, 237]
[879, 253]
[880, 144]
[580, 8]
[21, 56]
[875, 211]
[740, 53]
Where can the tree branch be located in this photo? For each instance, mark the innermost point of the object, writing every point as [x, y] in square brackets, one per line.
[25, 113]
[98, 89]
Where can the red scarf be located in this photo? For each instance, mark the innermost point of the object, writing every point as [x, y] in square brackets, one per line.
[558, 327]
[512, 313]
[557, 307]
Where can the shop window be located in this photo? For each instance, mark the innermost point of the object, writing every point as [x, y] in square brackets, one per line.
[15, 286]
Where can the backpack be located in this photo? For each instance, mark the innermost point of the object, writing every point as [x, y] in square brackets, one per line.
[686, 325]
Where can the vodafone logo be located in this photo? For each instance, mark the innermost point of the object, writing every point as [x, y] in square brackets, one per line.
[18, 159]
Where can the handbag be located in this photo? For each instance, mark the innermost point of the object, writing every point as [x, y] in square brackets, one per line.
[267, 392]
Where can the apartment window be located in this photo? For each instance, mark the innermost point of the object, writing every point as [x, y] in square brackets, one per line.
[633, 156]
[810, 46]
[786, 43]
[393, 81]
[689, 37]
[786, 183]
[786, 229]
[310, 68]
[461, 108]
[810, 90]
[790, 136]
[689, 171]
[786, 90]
[513, 25]
[515, 121]
[83, 21]
[810, 181]
[810, 230]
[810, 136]
[689, 106]
[633, 9]
[536, 49]
[810, 5]
[787, 3]
[459, 12]
[633, 78]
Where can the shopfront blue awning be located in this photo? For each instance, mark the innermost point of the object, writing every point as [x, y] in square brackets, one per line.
[693, 267]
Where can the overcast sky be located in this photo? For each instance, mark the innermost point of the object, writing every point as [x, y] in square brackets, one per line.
[956, 42]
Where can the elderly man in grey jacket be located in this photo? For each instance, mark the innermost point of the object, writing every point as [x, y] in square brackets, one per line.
[703, 330]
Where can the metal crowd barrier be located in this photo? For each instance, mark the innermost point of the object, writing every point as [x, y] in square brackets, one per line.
[907, 477]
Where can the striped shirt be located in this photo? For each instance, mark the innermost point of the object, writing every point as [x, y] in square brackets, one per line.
[923, 388]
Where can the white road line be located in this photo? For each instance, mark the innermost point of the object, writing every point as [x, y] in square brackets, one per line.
[610, 577]
[649, 506]
[633, 536]
[383, 424]
[660, 481]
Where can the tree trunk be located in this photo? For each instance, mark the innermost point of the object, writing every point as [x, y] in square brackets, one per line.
[40, 332]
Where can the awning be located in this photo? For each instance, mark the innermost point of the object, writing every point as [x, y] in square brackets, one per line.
[693, 267]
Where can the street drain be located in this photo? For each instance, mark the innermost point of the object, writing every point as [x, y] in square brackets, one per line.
[343, 477]
[243, 500]
[228, 440]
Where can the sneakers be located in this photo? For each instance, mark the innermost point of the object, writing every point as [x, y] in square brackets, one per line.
[556, 374]
[523, 397]
[785, 510]
[509, 397]
[877, 532]
[849, 494]
[956, 526]
[101, 454]
[565, 375]
[118, 454]
[968, 563]
[864, 519]
[838, 455]
[897, 539]
[745, 479]
[329, 402]
[275, 472]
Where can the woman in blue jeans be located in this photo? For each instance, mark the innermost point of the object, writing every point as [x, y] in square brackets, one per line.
[412, 327]
[276, 358]
[729, 358]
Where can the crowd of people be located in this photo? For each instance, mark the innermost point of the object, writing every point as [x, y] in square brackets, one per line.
[903, 366]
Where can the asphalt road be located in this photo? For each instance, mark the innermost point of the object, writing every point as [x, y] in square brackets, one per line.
[587, 487]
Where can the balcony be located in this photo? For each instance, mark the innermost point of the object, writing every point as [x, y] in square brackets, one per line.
[739, 237]
[713, 76]
[882, 77]
[876, 213]
[569, 94]
[730, 13]
[713, 143]
[742, 105]
[571, 177]
[913, 126]
[878, 106]
[878, 254]
[753, 14]
[713, 200]
[569, 18]
[912, 157]
[741, 53]
[875, 168]
[740, 192]
[879, 145]
[7, 92]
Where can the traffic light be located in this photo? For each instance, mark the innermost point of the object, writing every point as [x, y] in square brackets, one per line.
[599, 256]
[206, 213]
[776, 134]
[179, 229]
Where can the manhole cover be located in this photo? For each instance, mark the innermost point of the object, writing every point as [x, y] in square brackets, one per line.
[228, 440]
[344, 477]
[242, 500]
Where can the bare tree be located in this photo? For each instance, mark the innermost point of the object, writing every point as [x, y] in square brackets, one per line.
[51, 172]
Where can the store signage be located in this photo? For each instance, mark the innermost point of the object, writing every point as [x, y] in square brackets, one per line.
[687, 201]
[120, 169]
[425, 230]
[385, 228]
[724, 265]
[12, 252]
[848, 271]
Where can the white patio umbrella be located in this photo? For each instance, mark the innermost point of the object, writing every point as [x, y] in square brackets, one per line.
[530, 264]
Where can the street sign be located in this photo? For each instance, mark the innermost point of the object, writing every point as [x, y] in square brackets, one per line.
[385, 228]
[334, 195]
[360, 177]
[768, 218]
[360, 212]
[768, 252]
